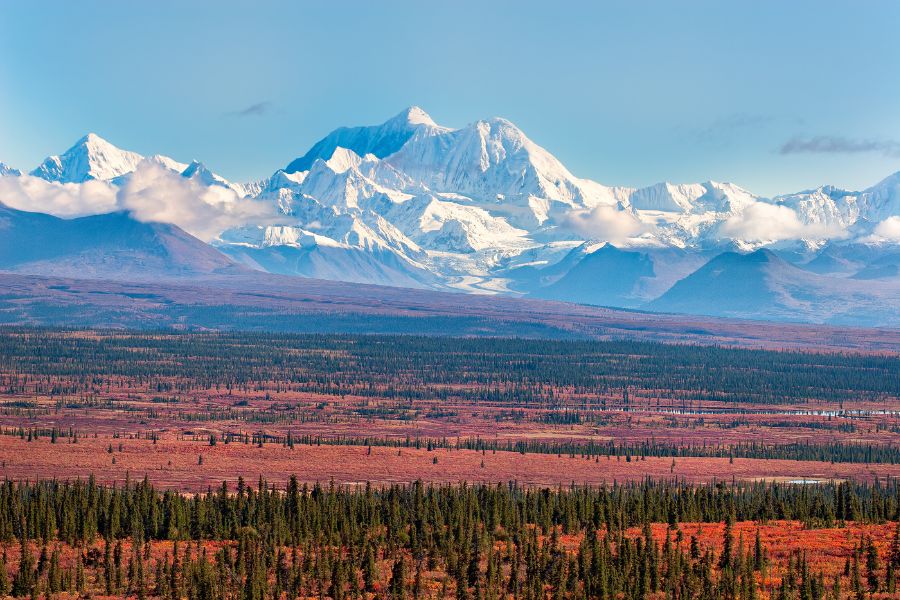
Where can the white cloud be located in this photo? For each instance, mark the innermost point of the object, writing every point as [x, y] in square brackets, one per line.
[34, 194]
[606, 223]
[765, 222]
[151, 194]
[889, 229]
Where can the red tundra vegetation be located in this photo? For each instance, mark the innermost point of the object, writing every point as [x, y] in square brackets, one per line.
[560, 469]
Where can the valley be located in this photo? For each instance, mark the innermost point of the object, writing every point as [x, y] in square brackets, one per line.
[392, 409]
[375, 465]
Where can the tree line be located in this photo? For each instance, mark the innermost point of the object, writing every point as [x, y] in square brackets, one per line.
[505, 371]
[417, 540]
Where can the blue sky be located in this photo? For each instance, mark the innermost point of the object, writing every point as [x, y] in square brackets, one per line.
[775, 96]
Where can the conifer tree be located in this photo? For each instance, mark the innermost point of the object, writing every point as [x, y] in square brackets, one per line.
[397, 584]
[24, 582]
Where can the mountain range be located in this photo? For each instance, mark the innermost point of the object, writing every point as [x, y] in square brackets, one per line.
[481, 209]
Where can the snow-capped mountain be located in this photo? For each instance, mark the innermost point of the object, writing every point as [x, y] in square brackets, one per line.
[882, 200]
[492, 163]
[825, 205]
[378, 140]
[483, 208]
[688, 198]
[474, 205]
[91, 157]
[94, 158]
[837, 208]
[6, 170]
[198, 172]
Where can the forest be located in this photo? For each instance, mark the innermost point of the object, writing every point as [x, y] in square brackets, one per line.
[519, 372]
[250, 465]
[418, 541]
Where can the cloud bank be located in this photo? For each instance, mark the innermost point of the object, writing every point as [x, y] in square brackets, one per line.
[764, 222]
[154, 193]
[605, 223]
[151, 193]
[889, 230]
[65, 200]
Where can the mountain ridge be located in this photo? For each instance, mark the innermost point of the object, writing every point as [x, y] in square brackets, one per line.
[484, 209]
[109, 246]
[378, 140]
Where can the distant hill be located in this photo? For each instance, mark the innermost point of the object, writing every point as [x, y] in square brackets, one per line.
[606, 277]
[113, 246]
[767, 287]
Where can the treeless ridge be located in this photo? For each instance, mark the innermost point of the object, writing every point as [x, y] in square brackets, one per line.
[267, 302]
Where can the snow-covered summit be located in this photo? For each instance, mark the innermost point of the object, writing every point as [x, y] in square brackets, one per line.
[168, 163]
[199, 172]
[882, 200]
[830, 206]
[414, 115]
[667, 196]
[94, 158]
[710, 196]
[495, 163]
[8, 171]
[379, 140]
[91, 157]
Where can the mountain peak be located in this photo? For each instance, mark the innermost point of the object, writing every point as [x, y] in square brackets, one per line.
[888, 182]
[91, 138]
[414, 115]
[343, 159]
[200, 172]
[91, 142]
[6, 170]
[195, 166]
[501, 122]
[763, 255]
[91, 157]
[168, 163]
[380, 140]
